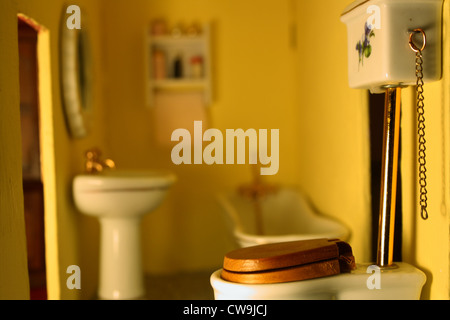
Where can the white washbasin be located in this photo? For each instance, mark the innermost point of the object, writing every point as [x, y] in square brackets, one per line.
[118, 193]
[119, 199]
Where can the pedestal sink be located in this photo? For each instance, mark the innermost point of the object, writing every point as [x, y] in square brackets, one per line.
[119, 199]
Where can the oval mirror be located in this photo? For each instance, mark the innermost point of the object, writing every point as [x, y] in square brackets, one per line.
[76, 77]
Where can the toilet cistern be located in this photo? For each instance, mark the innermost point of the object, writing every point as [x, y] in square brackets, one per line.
[398, 43]
[119, 199]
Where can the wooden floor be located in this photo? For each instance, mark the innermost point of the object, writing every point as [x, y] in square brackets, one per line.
[183, 286]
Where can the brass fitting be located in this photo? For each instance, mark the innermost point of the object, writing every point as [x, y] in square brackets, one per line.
[93, 162]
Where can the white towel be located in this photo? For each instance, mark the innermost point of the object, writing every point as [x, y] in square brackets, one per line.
[174, 110]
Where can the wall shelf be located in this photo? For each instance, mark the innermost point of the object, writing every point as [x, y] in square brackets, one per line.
[193, 71]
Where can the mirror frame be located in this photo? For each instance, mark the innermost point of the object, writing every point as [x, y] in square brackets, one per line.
[76, 78]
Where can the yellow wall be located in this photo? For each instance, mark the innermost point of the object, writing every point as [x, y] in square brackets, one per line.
[254, 87]
[13, 259]
[333, 122]
[426, 243]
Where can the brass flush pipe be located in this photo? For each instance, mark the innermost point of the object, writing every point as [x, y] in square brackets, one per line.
[389, 177]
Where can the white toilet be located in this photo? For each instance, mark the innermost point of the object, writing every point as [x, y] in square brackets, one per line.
[320, 269]
[404, 282]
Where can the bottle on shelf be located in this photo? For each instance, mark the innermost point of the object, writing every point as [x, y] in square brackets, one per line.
[159, 65]
[197, 67]
[178, 67]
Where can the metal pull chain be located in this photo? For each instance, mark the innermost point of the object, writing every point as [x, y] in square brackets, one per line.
[421, 122]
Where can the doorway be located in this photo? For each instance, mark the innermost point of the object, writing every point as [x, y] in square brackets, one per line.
[31, 159]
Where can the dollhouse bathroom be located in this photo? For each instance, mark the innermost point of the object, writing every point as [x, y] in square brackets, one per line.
[149, 147]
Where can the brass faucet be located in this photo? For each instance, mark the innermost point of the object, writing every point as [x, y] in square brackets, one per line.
[257, 188]
[256, 191]
[93, 162]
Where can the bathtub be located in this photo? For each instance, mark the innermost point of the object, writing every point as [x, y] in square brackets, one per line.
[286, 216]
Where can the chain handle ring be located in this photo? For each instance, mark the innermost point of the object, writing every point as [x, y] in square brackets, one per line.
[421, 122]
[412, 44]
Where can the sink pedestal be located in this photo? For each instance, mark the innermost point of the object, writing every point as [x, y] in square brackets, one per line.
[121, 275]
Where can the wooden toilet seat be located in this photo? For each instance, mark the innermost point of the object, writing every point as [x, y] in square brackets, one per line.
[288, 261]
